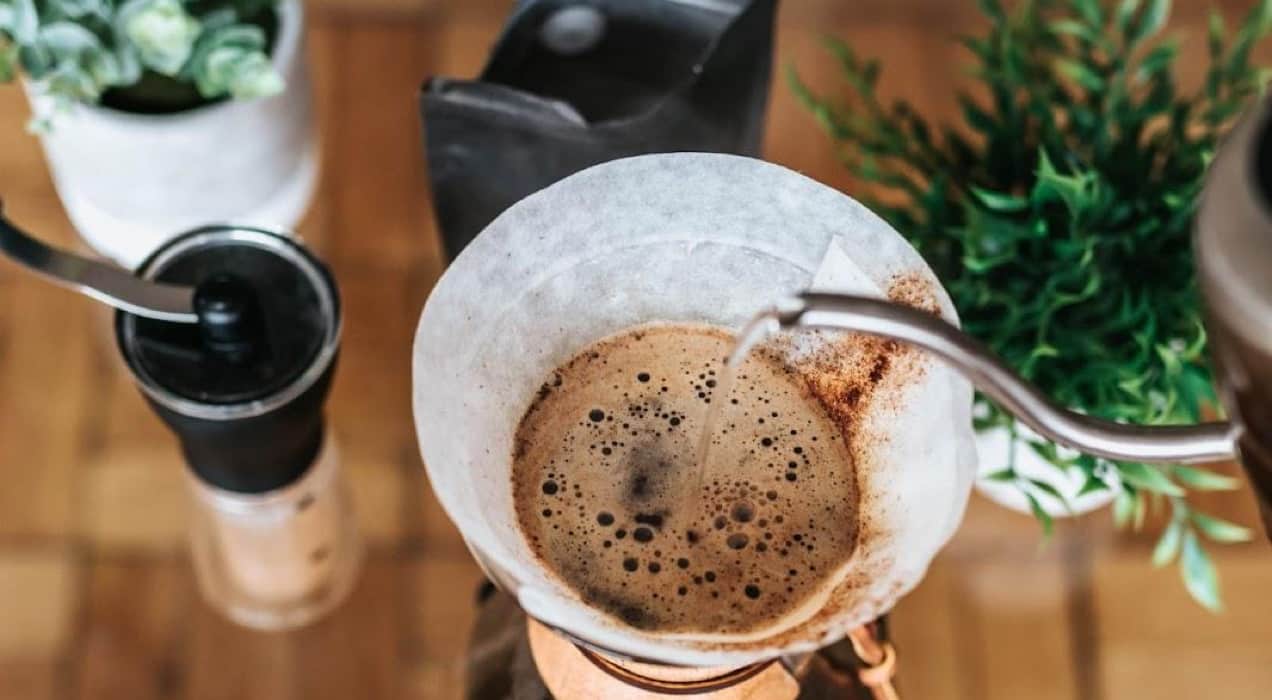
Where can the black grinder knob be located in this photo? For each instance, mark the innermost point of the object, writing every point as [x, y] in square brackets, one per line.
[230, 318]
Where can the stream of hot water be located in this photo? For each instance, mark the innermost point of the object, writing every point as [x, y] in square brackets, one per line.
[753, 333]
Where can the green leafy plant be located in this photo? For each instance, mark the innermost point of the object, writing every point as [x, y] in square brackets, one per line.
[1058, 215]
[145, 55]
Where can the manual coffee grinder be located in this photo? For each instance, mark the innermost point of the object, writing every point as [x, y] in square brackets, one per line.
[231, 334]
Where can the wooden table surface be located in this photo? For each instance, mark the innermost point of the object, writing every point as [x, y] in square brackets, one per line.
[96, 594]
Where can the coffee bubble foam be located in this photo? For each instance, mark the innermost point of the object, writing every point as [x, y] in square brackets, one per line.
[609, 497]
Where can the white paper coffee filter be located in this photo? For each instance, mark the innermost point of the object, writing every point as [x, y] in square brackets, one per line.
[688, 237]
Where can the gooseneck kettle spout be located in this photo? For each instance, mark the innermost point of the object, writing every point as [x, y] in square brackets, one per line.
[1233, 250]
[1205, 442]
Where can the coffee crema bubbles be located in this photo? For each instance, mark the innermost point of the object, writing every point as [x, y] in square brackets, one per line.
[610, 499]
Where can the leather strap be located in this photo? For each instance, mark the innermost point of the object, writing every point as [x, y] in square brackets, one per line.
[878, 662]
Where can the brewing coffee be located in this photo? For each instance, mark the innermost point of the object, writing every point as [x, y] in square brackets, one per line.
[605, 473]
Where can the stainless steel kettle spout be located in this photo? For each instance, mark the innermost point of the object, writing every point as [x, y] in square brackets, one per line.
[1233, 246]
[1206, 442]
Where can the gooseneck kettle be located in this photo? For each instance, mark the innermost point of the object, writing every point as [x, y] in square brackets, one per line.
[1233, 246]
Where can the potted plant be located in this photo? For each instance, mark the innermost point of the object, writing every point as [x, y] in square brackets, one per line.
[1059, 215]
[160, 115]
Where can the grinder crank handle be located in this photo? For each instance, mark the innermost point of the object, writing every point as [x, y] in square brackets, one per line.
[94, 278]
[224, 307]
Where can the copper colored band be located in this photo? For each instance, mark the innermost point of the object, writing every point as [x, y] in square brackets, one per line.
[706, 685]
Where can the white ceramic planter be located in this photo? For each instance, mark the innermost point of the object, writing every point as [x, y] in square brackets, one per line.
[130, 181]
[994, 448]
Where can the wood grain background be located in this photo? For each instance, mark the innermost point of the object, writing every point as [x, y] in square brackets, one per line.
[96, 596]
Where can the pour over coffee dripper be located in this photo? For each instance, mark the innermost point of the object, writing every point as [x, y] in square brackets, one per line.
[697, 238]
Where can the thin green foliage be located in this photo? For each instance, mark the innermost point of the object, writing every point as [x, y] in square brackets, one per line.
[1058, 214]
